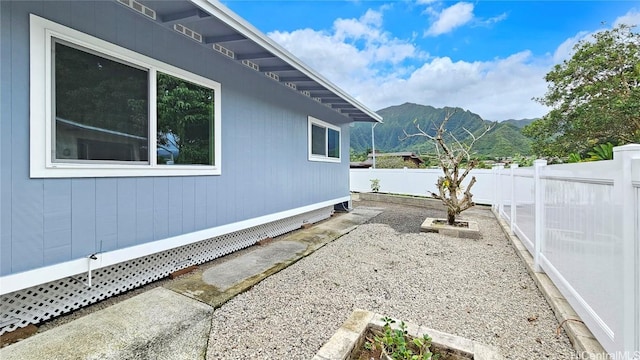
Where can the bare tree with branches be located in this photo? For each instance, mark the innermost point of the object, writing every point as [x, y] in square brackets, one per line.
[451, 156]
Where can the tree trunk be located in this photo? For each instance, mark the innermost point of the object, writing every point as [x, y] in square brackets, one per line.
[451, 218]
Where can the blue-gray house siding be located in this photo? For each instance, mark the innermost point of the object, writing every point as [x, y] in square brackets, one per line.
[265, 166]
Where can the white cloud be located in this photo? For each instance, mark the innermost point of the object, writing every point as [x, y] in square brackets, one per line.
[325, 53]
[367, 27]
[495, 19]
[630, 18]
[450, 18]
[496, 90]
[565, 50]
[356, 49]
[380, 71]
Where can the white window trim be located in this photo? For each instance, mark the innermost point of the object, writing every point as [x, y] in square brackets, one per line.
[324, 158]
[41, 151]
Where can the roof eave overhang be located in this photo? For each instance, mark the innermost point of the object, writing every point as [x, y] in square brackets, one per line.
[242, 27]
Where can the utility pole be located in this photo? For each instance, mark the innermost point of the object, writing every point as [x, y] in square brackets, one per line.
[373, 143]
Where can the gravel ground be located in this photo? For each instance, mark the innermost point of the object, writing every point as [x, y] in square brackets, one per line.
[478, 289]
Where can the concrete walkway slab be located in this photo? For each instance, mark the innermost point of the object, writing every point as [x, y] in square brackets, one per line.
[226, 274]
[158, 324]
[221, 282]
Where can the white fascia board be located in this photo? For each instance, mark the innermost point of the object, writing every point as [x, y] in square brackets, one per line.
[26, 279]
[227, 16]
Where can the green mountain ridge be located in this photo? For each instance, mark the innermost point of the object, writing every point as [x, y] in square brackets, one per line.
[518, 123]
[503, 140]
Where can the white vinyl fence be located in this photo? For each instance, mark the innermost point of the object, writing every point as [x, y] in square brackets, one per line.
[419, 182]
[580, 222]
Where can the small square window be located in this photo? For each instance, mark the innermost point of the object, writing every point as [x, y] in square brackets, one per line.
[324, 141]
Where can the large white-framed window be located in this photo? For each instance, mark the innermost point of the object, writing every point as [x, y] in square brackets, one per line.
[100, 110]
[324, 141]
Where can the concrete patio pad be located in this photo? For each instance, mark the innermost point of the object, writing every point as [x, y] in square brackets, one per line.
[158, 324]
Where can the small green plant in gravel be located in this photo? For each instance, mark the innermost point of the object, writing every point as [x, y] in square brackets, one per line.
[375, 185]
[398, 345]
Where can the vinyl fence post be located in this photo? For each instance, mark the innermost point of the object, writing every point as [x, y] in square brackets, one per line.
[405, 185]
[499, 191]
[539, 213]
[512, 216]
[627, 198]
[494, 197]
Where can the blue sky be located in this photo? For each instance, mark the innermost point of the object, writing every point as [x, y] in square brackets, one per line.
[489, 57]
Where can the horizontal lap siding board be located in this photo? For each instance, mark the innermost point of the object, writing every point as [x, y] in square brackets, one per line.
[265, 167]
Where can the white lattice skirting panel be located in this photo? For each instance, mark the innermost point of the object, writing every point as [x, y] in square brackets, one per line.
[33, 305]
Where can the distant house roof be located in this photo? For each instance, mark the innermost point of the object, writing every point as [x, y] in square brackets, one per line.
[218, 28]
[361, 164]
[406, 156]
